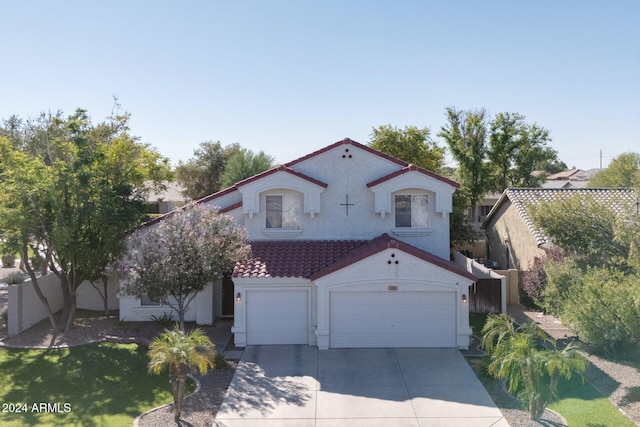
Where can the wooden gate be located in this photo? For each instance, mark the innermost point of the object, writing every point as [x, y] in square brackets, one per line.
[485, 296]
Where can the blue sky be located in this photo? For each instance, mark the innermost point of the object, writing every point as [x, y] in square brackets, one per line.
[290, 77]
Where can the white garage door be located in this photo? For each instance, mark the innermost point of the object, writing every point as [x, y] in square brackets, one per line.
[392, 319]
[277, 317]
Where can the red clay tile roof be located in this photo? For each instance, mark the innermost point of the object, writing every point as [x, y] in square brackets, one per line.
[347, 141]
[312, 259]
[293, 258]
[281, 168]
[382, 243]
[415, 168]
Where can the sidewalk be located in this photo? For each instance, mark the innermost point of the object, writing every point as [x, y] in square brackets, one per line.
[546, 322]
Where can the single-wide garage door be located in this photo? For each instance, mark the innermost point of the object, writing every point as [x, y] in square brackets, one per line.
[277, 317]
[392, 319]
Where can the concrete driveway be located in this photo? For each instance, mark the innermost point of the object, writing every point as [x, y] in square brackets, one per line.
[298, 385]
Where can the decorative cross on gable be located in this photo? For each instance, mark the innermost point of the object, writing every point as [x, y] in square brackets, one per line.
[346, 204]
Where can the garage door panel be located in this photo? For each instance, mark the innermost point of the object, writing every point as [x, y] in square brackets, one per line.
[392, 319]
[277, 317]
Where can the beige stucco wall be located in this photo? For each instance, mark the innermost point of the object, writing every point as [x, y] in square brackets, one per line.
[507, 230]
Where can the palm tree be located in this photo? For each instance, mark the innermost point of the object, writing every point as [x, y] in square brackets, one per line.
[181, 353]
[529, 359]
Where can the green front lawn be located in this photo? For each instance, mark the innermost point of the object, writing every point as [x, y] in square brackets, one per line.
[582, 405]
[102, 384]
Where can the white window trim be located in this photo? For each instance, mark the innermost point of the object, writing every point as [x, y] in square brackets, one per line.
[158, 304]
[411, 231]
[282, 233]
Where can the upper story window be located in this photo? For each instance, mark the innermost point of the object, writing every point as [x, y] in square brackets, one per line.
[283, 211]
[411, 210]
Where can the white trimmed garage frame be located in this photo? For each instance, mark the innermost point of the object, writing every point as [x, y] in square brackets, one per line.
[392, 319]
[282, 322]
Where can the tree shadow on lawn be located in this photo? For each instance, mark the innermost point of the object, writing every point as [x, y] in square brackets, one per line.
[97, 380]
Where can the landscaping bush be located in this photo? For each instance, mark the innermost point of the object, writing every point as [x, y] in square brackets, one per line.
[8, 260]
[14, 278]
[165, 320]
[605, 311]
[534, 281]
[563, 279]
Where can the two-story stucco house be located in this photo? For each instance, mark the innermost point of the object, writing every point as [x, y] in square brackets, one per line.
[350, 249]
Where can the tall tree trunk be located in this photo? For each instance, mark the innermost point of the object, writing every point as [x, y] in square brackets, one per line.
[181, 382]
[36, 286]
[181, 315]
[71, 314]
[174, 375]
[68, 301]
[103, 294]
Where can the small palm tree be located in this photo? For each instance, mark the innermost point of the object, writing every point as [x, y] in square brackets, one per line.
[529, 359]
[181, 353]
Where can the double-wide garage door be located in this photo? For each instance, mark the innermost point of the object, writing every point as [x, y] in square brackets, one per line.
[392, 319]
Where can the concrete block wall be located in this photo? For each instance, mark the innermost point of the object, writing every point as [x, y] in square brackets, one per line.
[26, 309]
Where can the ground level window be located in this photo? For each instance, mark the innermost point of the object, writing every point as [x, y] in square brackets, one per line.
[145, 300]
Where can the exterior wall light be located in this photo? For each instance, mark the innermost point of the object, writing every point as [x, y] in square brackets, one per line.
[238, 297]
[464, 298]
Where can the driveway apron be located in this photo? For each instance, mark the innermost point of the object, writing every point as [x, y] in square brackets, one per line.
[298, 385]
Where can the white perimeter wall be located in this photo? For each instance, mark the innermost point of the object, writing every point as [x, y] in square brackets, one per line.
[26, 309]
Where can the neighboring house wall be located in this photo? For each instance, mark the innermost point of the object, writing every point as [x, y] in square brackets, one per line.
[510, 242]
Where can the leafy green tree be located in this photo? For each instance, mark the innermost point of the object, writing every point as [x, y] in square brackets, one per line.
[72, 190]
[595, 233]
[460, 229]
[622, 172]
[202, 174]
[554, 166]
[173, 260]
[466, 137]
[522, 355]
[181, 353]
[244, 163]
[516, 150]
[411, 144]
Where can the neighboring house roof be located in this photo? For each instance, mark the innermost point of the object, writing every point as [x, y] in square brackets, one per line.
[557, 183]
[522, 198]
[312, 259]
[173, 193]
[565, 175]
